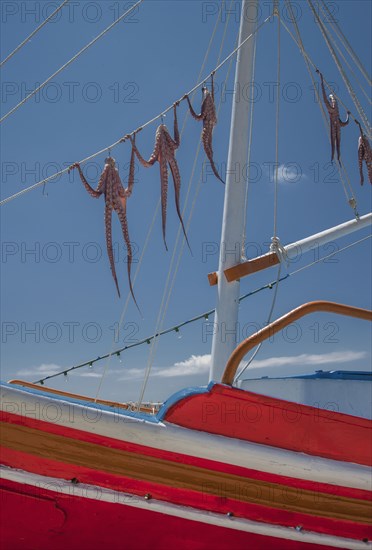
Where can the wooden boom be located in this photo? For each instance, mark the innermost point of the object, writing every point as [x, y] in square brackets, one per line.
[291, 251]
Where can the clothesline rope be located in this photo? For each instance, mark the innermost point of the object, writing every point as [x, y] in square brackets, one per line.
[106, 30]
[33, 33]
[122, 139]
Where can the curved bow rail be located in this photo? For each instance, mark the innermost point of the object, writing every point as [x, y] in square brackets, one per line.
[274, 327]
[115, 404]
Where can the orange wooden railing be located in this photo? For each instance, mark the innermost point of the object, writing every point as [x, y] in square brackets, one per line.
[127, 406]
[271, 329]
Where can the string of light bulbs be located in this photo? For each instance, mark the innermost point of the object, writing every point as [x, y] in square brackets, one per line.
[148, 339]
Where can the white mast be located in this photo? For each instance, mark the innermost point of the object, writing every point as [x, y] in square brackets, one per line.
[226, 317]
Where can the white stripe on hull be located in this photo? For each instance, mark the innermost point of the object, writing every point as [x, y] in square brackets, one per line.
[169, 437]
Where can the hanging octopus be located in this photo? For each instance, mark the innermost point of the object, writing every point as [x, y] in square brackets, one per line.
[364, 153]
[334, 119]
[115, 199]
[164, 152]
[209, 118]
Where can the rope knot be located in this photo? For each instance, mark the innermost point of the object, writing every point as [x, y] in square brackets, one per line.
[277, 247]
[354, 206]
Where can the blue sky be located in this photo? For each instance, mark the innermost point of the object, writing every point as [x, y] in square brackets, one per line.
[58, 301]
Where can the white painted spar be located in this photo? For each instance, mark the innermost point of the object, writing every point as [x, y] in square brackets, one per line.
[294, 250]
[234, 212]
[93, 492]
[328, 235]
[172, 438]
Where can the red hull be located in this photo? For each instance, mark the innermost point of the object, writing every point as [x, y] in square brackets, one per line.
[37, 519]
[244, 415]
[106, 479]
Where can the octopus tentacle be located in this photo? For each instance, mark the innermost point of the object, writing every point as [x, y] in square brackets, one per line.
[325, 98]
[332, 137]
[346, 121]
[207, 143]
[369, 165]
[131, 170]
[193, 113]
[115, 199]
[360, 127]
[108, 226]
[175, 127]
[121, 207]
[154, 155]
[334, 119]
[164, 193]
[177, 185]
[364, 153]
[95, 193]
[212, 86]
[361, 153]
[208, 116]
[338, 142]
[164, 153]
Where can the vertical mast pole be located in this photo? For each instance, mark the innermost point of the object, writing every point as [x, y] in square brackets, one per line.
[226, 318]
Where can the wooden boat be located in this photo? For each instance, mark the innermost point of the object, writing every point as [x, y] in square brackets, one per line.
[259, 463]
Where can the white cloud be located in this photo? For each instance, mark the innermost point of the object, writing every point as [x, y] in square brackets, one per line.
[90, 374]
[310, 359]
[196, 364]
[46, 369]
[290, 172]
[131, 374]
[200, 364]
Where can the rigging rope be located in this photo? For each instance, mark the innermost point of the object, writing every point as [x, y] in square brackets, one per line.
[198, 187]
[153, 221]
[350, 68]
[359, 108]
[204, 315]
[311, 62]
[33, 33]
[244, 236]
[275, 242]
[346, 43]
[154, 119]
[307, 63]
[253, 356]
[350, 197]
[158, 206]
[276, 12]
[169, 285]
[71, 60]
